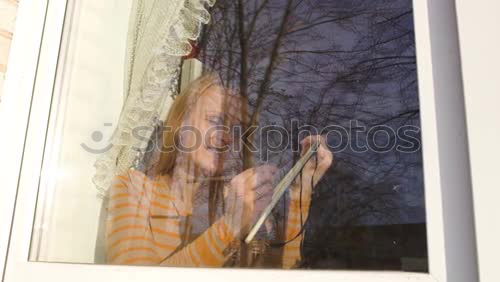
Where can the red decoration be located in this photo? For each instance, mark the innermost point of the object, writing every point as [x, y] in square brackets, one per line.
[195, 50]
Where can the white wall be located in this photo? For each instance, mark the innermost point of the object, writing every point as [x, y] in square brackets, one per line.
[479, 26]
[89, 95]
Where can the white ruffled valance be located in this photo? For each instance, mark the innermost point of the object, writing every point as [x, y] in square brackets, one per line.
[159, 36]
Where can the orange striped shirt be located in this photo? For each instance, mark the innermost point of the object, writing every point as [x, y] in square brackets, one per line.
[144, 227]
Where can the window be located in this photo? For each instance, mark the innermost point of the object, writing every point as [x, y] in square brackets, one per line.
[67, 219]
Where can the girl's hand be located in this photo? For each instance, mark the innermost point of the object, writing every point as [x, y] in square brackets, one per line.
[316, 167]
[244, 190]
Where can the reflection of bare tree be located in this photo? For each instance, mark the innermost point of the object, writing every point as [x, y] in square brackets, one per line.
[323, 63]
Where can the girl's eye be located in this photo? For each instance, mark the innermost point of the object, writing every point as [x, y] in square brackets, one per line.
[215, 120]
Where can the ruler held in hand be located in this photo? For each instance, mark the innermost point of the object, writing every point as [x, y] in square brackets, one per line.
[281, 189]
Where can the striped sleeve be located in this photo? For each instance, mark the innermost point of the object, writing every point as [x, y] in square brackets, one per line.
[129, 237]
[208, 250]
[142, 230]
[297, 215]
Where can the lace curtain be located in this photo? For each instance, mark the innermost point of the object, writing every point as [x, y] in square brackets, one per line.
[159, 36]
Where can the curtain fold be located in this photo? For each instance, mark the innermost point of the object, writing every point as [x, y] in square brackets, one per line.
[159, 36]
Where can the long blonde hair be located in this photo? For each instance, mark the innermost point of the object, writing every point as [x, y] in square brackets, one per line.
[176, 116]
[179, 110]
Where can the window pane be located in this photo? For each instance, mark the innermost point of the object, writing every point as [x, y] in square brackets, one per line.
[194, 138]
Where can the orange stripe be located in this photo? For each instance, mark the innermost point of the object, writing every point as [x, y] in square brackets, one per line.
[293, 247]
[124, 178]
[159, 184]
[148, 259]
[204, 251]
[167, 233]
[129, 215]
[295, 221]
[210, 246]
[143, 207]
[193, 257]
[134, 191]
[143, 238]
[136, 226]
[160, 205]
[296, 202]
[170, 221]
[141, 216]
[129, 205]
[289, 262]
[158, 194]
[296, 208]
[212, 239]
[120, 185]
[122, 252]
[134, 194]
[292, 231]
[226, 236]
[164, 196]
[120, 195]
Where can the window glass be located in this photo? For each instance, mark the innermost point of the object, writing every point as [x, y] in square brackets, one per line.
[263, 133]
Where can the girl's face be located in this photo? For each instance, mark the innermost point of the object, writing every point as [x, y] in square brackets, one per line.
[205, 136]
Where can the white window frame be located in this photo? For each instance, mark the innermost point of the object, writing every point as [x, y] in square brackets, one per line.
[478, 24]
[25, 112]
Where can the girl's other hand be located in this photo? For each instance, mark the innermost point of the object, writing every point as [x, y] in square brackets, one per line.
[252, 185]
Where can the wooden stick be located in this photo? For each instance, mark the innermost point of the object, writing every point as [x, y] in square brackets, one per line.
[281, 189]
